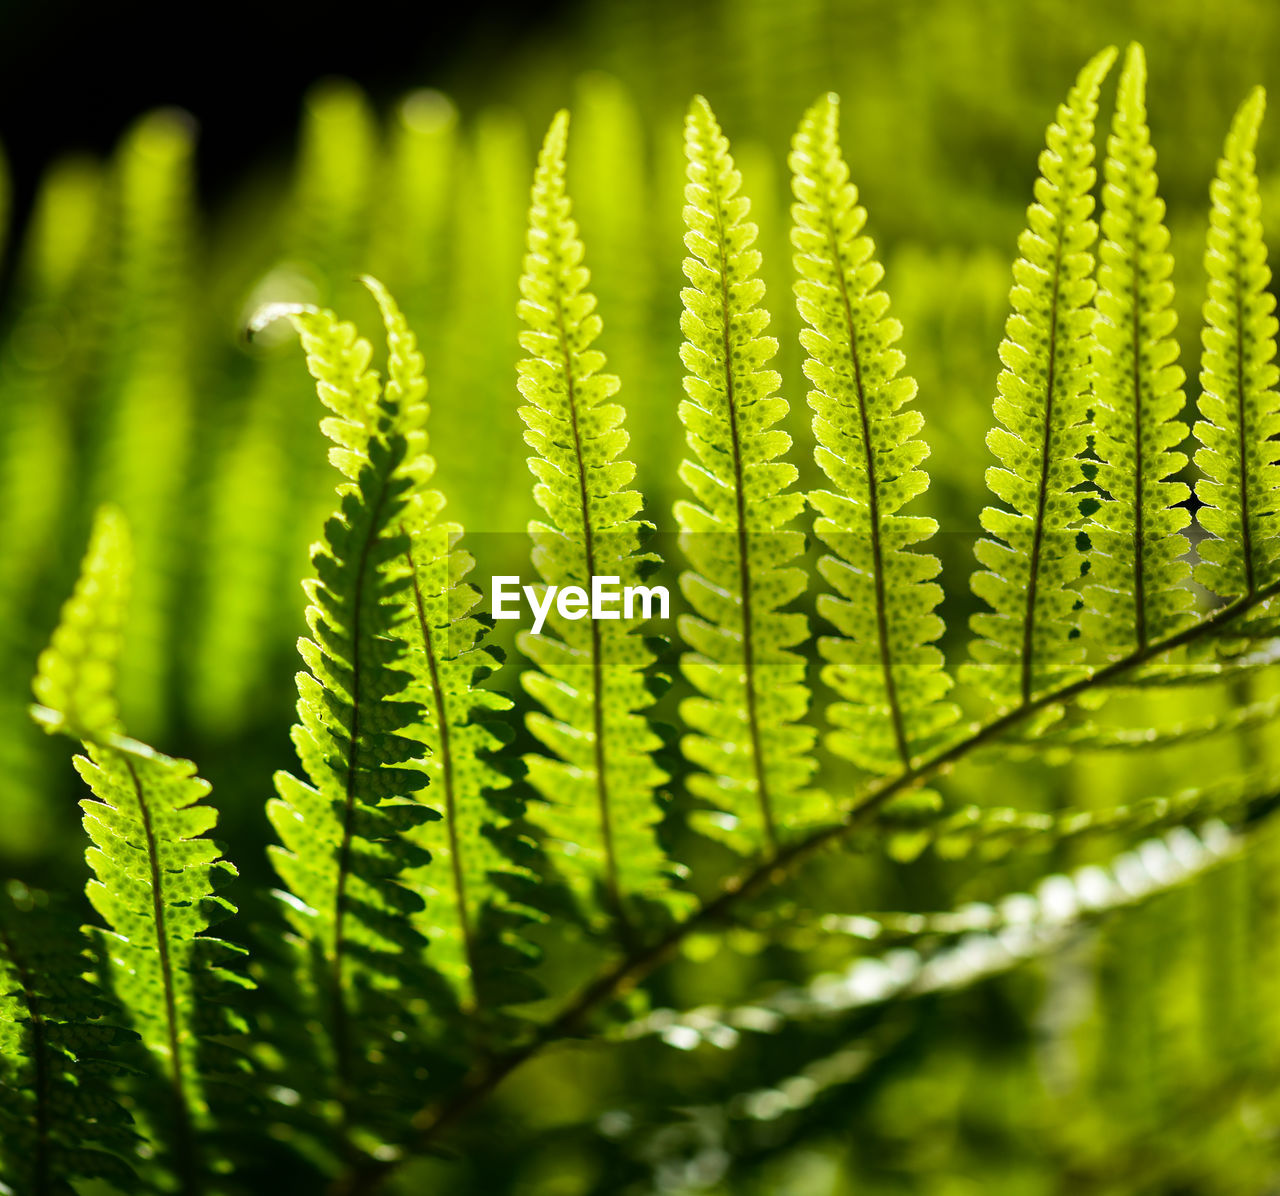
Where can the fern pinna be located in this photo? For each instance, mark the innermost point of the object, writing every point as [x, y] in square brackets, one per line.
[1028, 641]
[884, 664]
[421, 951]
[755, 759]
[155, 871]
[1136, 592]
[1240, 407]
[600, 785]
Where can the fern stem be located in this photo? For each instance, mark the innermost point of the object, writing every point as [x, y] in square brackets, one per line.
[446, 781]
[616, 980]
[39, 1053]
[597, 665]
[744, 545]
[1246, 531]
[1029, 623]
[184, 1143]
[1139, 498]
[873, 507]
[338, 1006]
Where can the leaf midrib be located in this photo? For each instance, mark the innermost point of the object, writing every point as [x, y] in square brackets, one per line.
[743, 539]
[184, 1141]
[599, 758]
[873, 495]
[338, 1007]
[447, 782]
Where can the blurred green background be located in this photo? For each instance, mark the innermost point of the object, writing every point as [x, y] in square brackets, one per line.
[1140, 1057]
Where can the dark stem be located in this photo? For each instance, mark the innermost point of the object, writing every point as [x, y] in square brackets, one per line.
[446, 779]
[337, 996]
[873, 508]
[186, 1163]
[1246, 530]
[1139, 531]
[624, 975]
[744, 540]
[612, 886]
[1029, 622]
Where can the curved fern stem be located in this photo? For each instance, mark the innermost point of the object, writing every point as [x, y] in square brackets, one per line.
[1240, 405]
[1136, 592]
[1029, 640]
[884, 664]
[735, 535]
[620, 977]
[600, 786]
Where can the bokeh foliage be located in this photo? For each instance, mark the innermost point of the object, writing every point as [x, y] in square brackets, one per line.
[1142, 1056]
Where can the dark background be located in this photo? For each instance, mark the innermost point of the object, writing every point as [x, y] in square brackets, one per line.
[73, 74]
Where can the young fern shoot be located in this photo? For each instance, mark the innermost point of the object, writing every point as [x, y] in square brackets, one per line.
[754, 755]
[1029, 640]
[884, 664]
[468, 918]
[600, 784]
[155, 872]
[1240, 405]
[1136, 593]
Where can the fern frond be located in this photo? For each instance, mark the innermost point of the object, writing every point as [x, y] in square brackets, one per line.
[1137, 591]
[884, 664]
[60, 1119]
[1024, 927]
[600, 785]
[1028, 641]
[469, 918]
[752, 692]
[147, 409]
[1240, 407]
[345, 830]
[155, 870]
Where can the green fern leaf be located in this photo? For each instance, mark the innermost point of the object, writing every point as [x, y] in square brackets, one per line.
[600, 784]
[754, 755]
[1028, 641]
[59, 1117]
[468, 917]
[345, 830]
[155, 870]
[1239, 407]
[884, 664]
[1137, 592]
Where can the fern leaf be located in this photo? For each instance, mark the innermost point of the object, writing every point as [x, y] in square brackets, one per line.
[59, 1117]
[1239, 407]
[884, 664]
[345, 829]
[1028, 641]
[601, 782]
[1136, 592]
[468, 918]
[155, 870]
[752, 690]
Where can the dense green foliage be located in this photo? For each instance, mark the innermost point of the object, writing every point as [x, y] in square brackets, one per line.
[766, 897]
